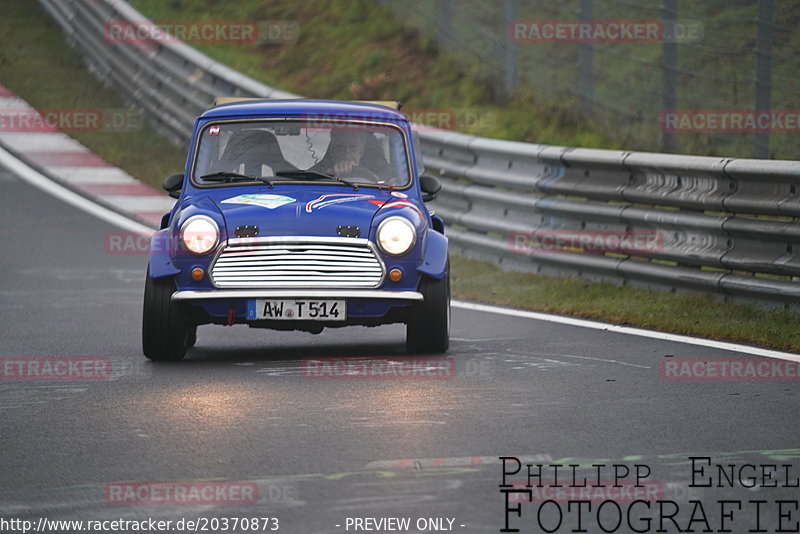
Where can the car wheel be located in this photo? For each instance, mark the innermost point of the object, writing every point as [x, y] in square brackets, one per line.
[192, 337]
[428, 325]
[165, 331]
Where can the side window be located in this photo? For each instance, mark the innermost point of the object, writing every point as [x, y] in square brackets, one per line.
[208, 153]
[418, 152]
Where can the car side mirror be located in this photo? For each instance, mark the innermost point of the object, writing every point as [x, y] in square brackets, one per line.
[430, 187]
[173, 184]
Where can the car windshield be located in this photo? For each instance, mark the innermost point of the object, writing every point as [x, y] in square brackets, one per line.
[302, 150]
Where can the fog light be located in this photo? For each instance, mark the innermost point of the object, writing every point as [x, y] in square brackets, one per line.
[197, 274]
[395, 275]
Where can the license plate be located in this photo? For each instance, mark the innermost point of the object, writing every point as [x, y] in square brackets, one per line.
[297, 310]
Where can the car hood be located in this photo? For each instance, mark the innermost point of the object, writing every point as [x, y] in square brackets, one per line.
[301, 212]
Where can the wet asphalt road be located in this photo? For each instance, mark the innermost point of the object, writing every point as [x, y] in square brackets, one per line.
[241, 410]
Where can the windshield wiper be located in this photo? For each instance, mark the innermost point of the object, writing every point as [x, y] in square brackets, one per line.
[229, 176]
[315, 175]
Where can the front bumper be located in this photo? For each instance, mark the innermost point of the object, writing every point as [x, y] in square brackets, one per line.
[296, 294]
[366, 307]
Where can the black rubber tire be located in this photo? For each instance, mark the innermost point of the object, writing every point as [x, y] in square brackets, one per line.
[191, 339]
[165, 330]
[428, 324]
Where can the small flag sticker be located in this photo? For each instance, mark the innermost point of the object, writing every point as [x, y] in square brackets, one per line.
[214, 130]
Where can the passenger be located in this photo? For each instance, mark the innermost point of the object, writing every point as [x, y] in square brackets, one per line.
[248, 150]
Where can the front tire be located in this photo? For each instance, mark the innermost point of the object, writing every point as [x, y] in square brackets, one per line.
[191, 337]
[428, 325]
[165, 329]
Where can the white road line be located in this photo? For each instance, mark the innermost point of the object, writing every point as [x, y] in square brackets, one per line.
[595, 325]
[37, 179]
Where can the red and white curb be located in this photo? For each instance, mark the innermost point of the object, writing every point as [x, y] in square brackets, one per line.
[66, 160]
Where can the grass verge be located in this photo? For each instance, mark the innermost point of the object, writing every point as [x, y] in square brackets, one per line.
[693, 314]
[48, 74]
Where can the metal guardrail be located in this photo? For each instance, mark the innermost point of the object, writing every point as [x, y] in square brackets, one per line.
[171, 81]
[726, 226]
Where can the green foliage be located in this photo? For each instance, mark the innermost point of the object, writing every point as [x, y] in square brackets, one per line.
[359, 50]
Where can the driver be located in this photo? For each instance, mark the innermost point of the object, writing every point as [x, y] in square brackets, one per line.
[344, 154]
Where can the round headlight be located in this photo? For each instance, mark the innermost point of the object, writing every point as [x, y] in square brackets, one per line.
[200, 234]
[396, 236]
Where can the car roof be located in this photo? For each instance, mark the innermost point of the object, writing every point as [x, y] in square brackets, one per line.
[302, 107]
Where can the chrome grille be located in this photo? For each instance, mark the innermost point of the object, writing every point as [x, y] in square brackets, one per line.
[297, 262]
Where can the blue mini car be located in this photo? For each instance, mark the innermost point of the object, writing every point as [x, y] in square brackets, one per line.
[298, 215]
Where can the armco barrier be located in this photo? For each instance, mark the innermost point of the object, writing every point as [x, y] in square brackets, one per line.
[172, 81]
[726, 226]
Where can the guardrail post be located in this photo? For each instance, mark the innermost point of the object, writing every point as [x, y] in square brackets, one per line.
[444, 19]
[586, 62]
[669, 60]
[763, 79]
[509, 47]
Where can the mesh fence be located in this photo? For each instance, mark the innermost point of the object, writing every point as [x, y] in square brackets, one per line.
[717, 77]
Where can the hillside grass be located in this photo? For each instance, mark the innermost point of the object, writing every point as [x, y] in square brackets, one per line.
[355, 49]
